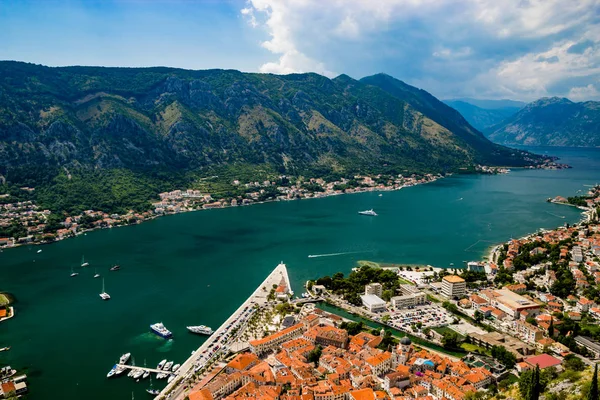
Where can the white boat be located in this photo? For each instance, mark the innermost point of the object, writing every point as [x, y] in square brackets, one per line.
[368, 212]
[138, 373]
[39, 251]
[124, 358]
[96, 274]
[161, 330]
[175, 367]
[83, 262]
[171, 378]
[151, 390]
[104, 295]
[161, 376]
[120, 370]
[73, 273]
[168, 366]
[131, 372]
[146, 374]
[380, 195]
[201, 329]
[112, 372]
[161, 364]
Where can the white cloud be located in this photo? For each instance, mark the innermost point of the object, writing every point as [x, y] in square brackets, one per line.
[580, 93]
[494, 48]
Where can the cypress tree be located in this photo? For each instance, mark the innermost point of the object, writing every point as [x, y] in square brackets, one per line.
[551, 327]
[593, 393]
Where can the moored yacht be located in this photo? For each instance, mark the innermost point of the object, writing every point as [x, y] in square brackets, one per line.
[83, 262]
[124, 358]
[201, 329]
[168, 366]
[161, 364]
[161, 331]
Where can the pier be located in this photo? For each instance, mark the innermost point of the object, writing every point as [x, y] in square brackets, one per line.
[258, 298]
[152, 370]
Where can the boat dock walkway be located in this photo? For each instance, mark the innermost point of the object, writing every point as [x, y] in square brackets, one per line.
[153, 370]
[258, 298]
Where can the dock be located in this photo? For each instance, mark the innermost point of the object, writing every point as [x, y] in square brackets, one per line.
[152, 370]
[258, 298]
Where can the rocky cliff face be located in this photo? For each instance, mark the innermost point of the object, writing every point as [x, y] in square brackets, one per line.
[552, 122]
[148, 119]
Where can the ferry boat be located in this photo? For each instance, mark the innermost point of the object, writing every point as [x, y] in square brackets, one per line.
[161, 331]
[201, 329]
[161, 364]
[124, 358]
[370, 213]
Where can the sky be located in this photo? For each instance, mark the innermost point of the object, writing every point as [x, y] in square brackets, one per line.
[486, 49]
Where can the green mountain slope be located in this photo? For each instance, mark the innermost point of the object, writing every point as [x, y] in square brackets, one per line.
[482, 118]
[169, 126]
[552, 122]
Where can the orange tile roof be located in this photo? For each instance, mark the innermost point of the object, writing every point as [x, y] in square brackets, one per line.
[276, 335]
[363, 394]
[453, 279]
[242, 361]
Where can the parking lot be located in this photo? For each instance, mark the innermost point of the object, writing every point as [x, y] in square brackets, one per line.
[429, 315]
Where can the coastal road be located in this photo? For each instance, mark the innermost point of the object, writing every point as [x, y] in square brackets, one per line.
[259, 297]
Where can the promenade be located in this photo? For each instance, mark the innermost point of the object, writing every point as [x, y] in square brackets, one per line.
[221, 337]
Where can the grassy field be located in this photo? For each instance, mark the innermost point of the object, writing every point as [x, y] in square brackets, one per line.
[472, 348]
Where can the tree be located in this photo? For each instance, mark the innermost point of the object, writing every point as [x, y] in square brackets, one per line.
[387, 341]
[551, 328]
[450, 340]
[478, 316]
[574, 363]
[314, 355]
[529, 385]
[593, 393]
[504, 356]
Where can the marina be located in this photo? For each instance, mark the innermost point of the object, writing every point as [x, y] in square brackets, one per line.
[196, 361]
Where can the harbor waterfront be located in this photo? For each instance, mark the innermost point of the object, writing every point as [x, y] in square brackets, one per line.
[196, 268]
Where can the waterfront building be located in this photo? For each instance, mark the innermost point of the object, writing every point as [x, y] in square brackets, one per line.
[271, 342]
[408, 300]
[374, 289]
[453, 286]
[373, 303]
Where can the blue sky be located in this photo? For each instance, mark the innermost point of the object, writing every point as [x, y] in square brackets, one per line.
[518, 49]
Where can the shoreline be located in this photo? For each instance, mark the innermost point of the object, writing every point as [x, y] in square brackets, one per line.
[139, 222]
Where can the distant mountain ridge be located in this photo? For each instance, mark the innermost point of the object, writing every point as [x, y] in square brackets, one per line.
[483, 114]
[167, 124]
[551, 121]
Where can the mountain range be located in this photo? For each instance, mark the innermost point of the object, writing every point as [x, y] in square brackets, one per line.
[551, 121]
[484, 114]
[163, 127]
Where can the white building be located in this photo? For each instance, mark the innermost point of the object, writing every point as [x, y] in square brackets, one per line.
[408, 300]
[577, 254]
[373, 303]
[374, 288]
[454, 286]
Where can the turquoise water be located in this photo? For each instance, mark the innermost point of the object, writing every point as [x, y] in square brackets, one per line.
[196, 268]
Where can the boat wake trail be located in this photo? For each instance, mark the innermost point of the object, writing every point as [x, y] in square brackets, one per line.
[554, 215]
[334, 254]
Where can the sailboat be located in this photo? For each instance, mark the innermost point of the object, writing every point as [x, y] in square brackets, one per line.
[96, 274]
[151, 390]
[83, 262]
[73, 273]
[104, 295]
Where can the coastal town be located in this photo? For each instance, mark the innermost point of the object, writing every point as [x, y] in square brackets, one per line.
[467, 333]
[23, 222]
